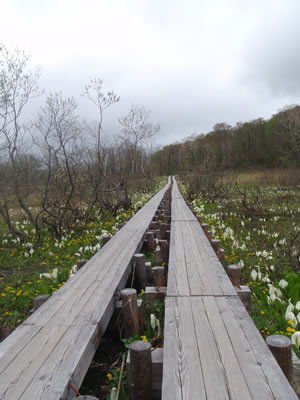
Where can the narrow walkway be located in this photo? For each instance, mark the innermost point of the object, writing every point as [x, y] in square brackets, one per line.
[212, 349]
[54, 347]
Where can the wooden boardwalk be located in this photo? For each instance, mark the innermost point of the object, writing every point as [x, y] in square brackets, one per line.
[212, 349]
[54, 347]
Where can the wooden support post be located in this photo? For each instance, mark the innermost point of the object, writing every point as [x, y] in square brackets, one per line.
[209, 235]
[164, 250]
[158, 276]
[153, 226]
[234, 273]
[156, 233]
[162, 232]
[39, 300]
[149, 271]
[205, 228]
[168, 235]
[116, 320]
[155, 218]
[140, 268]
[157, 369]
[129, 312]
[105, 239]
[245, 296]
[120, 226]
[281, 348]
[81, 263]
[222, 254]
[150, 241]
[216, 244]
[152, 294]
[199, 218]
[167, 219]
[140, 374]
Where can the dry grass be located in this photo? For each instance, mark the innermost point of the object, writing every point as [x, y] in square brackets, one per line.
[282, 177]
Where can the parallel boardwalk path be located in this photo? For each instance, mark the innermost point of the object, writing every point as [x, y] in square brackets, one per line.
[212, 349]
[54, 347]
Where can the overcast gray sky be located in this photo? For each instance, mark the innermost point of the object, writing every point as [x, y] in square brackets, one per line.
[193, 63]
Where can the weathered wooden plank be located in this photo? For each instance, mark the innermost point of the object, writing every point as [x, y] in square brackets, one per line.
[171, 383]
[191, 271]
[178, 283]
[198, 269]
[181, 211]
[20, 337]
[182, 370]
[19, 374]
[236, 383]
[41, 366]
[278, 383]
[255, 378]
[230, 359]
[214, 371]
[70, 351]
[192, 257]
[215, 270]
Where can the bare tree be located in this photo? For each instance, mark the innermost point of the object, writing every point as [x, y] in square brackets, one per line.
[59, 130]
[98, 154]
[17, 86]
[137, 135]
[94, 92]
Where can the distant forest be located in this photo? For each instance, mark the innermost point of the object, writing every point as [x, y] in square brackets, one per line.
[273, 143]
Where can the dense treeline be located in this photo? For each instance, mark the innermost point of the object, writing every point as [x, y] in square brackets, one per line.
[255, 144]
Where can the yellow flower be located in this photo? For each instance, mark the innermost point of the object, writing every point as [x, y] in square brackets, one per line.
[262, 312]
[3, 294]
[144, 338]
[109, 375]
[289, 329]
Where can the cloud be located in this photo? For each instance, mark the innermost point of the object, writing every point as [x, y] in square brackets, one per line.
[271, 54]
[192, 63]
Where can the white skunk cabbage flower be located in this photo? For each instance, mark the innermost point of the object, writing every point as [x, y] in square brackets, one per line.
[282, 283]
[155, 324]
[296, 339]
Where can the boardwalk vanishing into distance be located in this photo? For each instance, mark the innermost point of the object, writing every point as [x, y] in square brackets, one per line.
[54, 347]
[212, 349]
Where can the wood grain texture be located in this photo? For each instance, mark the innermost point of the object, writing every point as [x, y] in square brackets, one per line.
[207, 354]
[278, 383]
[212, 350]
[194, 268]
[57, 343]
[182, 370]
